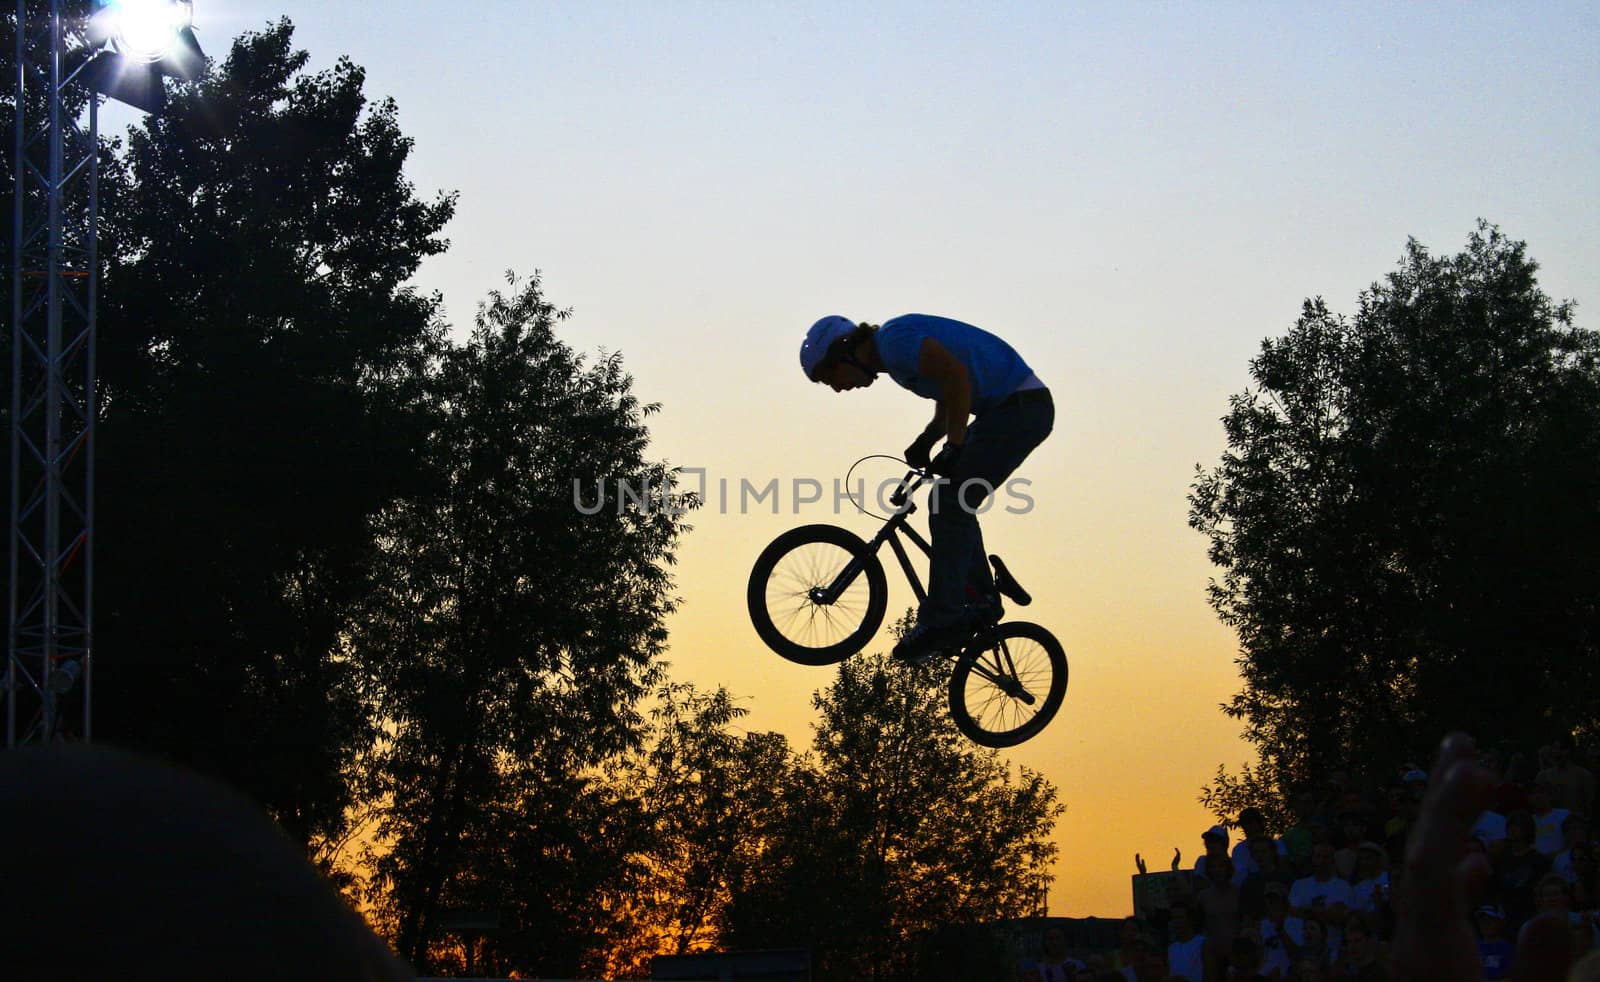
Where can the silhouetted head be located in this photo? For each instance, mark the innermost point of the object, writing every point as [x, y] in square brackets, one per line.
[836, 353]
[132, 868]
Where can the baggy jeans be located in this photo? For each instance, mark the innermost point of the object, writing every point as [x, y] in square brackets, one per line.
[997, 442]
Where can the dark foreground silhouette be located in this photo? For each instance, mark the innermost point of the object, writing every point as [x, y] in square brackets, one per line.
[117, 866]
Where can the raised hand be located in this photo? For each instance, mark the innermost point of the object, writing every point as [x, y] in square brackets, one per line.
[1434, 940]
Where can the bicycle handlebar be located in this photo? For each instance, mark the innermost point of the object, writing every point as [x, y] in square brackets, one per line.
[907, 486]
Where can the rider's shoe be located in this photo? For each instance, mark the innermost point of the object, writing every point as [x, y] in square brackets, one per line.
[927, 638]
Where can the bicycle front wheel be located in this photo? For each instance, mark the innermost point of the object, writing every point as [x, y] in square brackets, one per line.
[785, 594]
[1008, 685]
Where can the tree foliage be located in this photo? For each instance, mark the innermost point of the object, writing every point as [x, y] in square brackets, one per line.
[511, 635]
[259, 346]
[892, 829]
[1407, 520]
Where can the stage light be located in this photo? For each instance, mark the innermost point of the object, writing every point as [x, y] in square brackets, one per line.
[135, 42]
[144, 30]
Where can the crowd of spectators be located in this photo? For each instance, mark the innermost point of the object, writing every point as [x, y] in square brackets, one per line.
[1317, 901]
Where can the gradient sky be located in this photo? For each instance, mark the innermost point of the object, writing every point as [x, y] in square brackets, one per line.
[1134, 195]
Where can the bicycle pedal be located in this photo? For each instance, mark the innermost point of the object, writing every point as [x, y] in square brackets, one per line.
[1007, 584]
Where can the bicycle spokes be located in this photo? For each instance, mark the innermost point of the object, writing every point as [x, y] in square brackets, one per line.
[798, 590]
[1006, 675]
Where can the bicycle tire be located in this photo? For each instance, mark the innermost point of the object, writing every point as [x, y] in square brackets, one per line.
[788, 620]
[982, 710]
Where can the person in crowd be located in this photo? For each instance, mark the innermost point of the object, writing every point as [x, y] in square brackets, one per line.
[1218, 902]
[1054, 964]
[1490, 829]
[1507, 796]
[1216, 899]
[1318, 947]
[1370, 890]
[1547, 818]
[1282, 934]
[1254, 826]
[1130, 954]
[1585, 867]
[1321, 897]
[1362, 956]
[1494, 948]
[1573, 784]
[1297, 839]
[1553, 896]
[1245, 961]
[1574, 832]
[1413, 786]
[1215, 840]
[1518, 869]
[1186, 953]
[1271, 866]
[1352, 832]
[1517, 778]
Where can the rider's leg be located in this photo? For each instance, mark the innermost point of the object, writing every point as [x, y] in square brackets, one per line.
[995, 446]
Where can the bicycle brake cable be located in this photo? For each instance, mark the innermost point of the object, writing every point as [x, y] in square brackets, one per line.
[860, 507]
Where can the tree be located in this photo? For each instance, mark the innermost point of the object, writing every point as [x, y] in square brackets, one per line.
[892, 829]
[513, 632]
[704, 796]
[259, 346]
[1407, 521]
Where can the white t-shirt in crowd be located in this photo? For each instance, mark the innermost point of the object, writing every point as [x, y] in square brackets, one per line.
[1274, 953]
[1244, 864]
[1364, 895]
[1547, 831]
[1185, 959]
[1306, 892]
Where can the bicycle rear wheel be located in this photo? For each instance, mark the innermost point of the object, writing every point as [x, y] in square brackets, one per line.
[783, 595]
[1008, 684]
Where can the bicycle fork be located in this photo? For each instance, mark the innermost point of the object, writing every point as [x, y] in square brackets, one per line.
[1003, 673]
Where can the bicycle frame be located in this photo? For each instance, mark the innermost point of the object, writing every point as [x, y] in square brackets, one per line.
[891, 531]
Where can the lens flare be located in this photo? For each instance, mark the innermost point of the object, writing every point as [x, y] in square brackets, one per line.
[146, 30]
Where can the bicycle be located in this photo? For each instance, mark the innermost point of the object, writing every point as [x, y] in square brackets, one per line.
[818, 593]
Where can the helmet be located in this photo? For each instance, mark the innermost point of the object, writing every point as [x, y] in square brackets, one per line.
[819, 339]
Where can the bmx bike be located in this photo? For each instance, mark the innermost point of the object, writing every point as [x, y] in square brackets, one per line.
[818, 594]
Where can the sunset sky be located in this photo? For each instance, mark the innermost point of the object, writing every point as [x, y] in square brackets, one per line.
[1134, 195]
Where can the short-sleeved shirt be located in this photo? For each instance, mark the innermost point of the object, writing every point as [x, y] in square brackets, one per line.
[993, 367]
[1186, 959]
[1547, 830]
[1365, 894]
[1244, 863]
[1307, 891]
[1274, 953]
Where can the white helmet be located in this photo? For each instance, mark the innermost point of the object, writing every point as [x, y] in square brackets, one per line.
[819, 339]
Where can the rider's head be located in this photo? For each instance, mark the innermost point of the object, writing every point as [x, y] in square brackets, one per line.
[830, 353]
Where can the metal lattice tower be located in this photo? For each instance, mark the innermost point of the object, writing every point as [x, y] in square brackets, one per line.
[54, 280]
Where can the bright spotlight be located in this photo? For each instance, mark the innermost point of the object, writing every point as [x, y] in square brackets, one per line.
[132, 43]
[147, 30]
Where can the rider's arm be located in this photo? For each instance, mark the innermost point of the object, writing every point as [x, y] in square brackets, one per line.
[935, 361]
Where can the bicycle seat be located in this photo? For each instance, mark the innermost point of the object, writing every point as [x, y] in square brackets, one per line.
[1008, 585]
